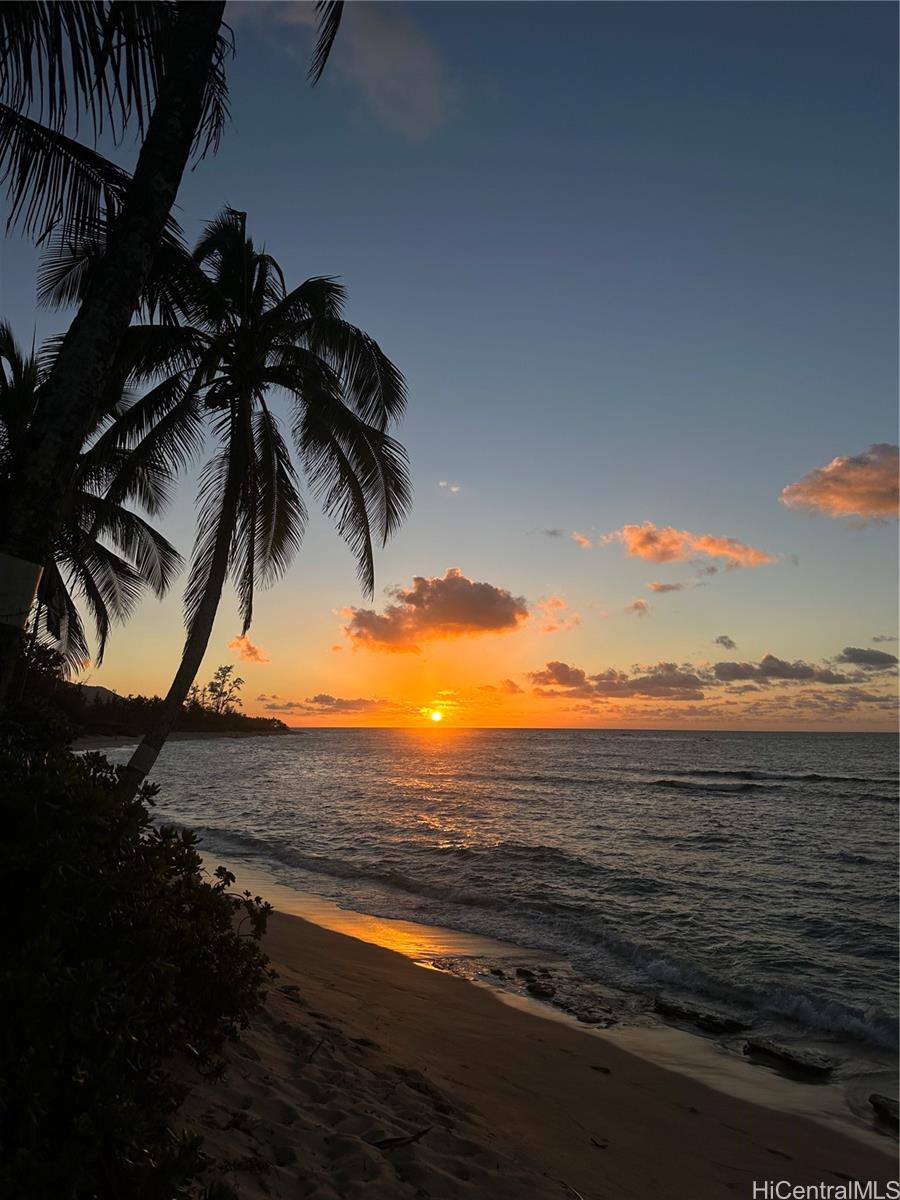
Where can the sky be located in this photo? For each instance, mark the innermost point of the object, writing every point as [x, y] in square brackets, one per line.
[638, 265]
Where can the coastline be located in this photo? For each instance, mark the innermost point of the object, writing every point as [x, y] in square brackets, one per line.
[367, 1073]
[115, 741]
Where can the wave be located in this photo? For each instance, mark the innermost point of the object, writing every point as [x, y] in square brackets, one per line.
[781, 776]
[684, 785]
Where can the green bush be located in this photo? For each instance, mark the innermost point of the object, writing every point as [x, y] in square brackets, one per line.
[120, 961]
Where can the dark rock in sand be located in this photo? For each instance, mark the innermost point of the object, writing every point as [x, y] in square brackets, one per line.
[543, 991]
[710, 1022]
[524, 973]
[797, 1062]
[496, 971]
[886, 1109]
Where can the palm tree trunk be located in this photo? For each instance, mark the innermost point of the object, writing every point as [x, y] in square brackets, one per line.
[143, 759]
[84, 365]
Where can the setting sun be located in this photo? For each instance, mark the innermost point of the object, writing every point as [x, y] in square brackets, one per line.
[436, 716]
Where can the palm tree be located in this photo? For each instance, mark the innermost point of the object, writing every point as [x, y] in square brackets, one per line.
[249, 339]
[104, 553]
[161, 63]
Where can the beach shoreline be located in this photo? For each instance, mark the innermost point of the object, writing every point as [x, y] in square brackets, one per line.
[367, 1072]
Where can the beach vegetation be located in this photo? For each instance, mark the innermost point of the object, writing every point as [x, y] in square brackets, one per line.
[125, 974]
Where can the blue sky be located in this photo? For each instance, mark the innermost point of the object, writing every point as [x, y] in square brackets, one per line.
[637, 262]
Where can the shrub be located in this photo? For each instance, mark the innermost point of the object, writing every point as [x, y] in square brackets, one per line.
[120, 960]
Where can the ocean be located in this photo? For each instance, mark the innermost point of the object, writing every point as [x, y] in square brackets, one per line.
[752, 876]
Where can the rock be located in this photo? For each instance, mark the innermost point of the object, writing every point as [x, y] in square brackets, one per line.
[798, 1062]
[542, 991]
[885, 1108]
[498, 972]
[710, 1022]
[524, 973]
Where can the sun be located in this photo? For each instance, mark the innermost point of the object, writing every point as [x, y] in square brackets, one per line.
[436, 716]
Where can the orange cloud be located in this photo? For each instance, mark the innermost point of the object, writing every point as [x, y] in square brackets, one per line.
[864, 485]
[581, 540]
[554, 608]
[246, 650]
[655, 544]
[434, 608]
[640, 608]
[666, 587]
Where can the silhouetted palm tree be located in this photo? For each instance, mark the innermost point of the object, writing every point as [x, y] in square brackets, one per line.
[104, 553]
[249, 339]
[162, 64]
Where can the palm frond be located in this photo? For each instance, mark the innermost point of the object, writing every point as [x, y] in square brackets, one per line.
[59, 621]
[52, 179]
[217, 496]
[153, 557]
[67, 60]
[369, 379]
[359, 474]
[328, 21]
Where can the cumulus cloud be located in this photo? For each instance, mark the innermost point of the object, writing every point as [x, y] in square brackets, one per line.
[861, 656]
[862, 485]
[434, 608]
[725, 641]
[380, 52]
[655, 544]
[580, 540]
[246, 650]
[770, 667]
[666, 587]
[664, 679]
[639, 608]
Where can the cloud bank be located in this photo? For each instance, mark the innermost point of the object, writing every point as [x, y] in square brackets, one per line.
[863, 486]
[448, 606]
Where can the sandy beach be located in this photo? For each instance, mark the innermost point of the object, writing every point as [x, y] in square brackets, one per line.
[367, 1075]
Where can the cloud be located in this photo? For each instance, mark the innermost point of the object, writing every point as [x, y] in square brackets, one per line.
[883, 637]
[655, 544]
[640, 608]
[725, 641]
[454, 488]
[554, 533]
[323, 703]
[859, 656]
[379, 51]
[555, 619]
[508, 687]
[666, 587]
[864, 486]
[435, 608]
[770, 667]
[246, 650]
[580, 540]
[664, 679]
